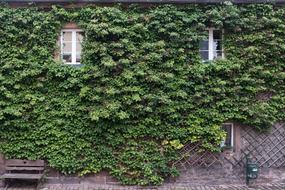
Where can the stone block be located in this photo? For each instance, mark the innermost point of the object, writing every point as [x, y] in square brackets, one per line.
[52, 172]
[95, 179]
[70, 180]
[52, 180]
[2, 159]
[111, 180]
[2, 162]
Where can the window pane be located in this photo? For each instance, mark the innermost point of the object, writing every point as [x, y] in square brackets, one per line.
[67, 47]
[78, 58]
[204, 45]
[217, 54]
[217, 34]
[66, 58]
[78, 47]
[66, 36]
[228, 129]
[79, 37]
[217, 45]
[204, 55]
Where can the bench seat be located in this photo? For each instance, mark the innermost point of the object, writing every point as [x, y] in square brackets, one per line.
[20, 168]
[21, 176]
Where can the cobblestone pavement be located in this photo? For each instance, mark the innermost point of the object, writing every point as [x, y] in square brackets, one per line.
[277, 186]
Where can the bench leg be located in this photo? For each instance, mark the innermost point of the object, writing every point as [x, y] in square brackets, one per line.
[2, 182]
[39, 184]
[6, 184]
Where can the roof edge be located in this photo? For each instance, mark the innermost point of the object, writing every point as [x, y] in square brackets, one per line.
[146, 1]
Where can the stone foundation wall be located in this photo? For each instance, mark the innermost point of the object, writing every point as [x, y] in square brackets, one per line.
[2, 169]
[191, 177]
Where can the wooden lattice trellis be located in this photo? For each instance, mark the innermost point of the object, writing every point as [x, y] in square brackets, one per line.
[266, 149]
[191, 156]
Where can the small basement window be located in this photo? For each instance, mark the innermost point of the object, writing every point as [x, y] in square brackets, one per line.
[70, 45]
[229, 139]
[211, 48]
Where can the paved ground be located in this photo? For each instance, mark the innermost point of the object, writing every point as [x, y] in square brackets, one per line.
[279, 186]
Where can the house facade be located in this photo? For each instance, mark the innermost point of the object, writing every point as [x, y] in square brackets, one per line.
[135, 92]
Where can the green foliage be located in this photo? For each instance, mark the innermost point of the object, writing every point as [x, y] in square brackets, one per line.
[143, 91]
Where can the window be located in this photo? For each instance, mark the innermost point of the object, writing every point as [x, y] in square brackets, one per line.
[211, 48]
[229, 139]
[71, 40]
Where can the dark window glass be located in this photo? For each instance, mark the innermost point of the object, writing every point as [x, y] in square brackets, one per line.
[217, 54]
[66, 58]
[204, 55]
[204, 45]
[217, 34]
[217, 45]
[78, 58]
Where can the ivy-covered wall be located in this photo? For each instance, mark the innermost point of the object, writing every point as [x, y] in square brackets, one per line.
[143, 91]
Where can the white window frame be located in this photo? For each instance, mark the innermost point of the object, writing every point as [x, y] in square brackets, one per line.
[232, 135]
[211, 44]
[73, 45]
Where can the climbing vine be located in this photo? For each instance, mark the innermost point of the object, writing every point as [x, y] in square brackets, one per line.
[143, 90]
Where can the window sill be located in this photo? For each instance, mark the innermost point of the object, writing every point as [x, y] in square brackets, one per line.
[74, 65]
[212, 60]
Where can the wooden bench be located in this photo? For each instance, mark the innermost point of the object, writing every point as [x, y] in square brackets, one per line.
[24, 169]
